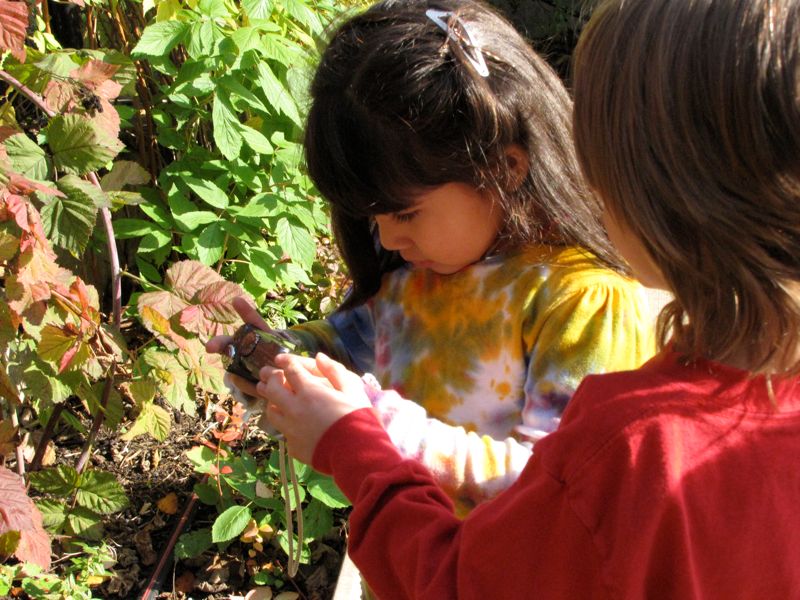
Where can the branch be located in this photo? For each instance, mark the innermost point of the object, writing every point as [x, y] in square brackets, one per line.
[29, 93]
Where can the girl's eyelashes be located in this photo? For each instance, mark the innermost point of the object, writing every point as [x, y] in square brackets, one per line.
[405, 217]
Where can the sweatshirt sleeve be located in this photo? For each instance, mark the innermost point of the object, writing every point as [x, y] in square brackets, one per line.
[407, 542]
[470, 467]
[582, 323]
[347, 336]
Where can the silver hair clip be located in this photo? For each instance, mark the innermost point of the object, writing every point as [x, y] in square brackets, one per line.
[457, 31]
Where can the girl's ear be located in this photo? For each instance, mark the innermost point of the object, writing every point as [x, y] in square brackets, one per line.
[518, 162]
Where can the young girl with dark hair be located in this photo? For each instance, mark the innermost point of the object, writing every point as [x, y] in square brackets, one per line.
[676, 480]
[483, 285]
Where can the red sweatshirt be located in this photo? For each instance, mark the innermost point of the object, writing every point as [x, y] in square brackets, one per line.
[671, 481]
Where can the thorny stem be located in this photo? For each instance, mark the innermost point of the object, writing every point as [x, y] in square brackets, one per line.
[20, 456]
[49, 429]
[46, 16]
[29, 93]
[97, 422]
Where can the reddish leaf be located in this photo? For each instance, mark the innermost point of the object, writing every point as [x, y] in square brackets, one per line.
[17, 184]
[212, 313]
[60, 96]
[67, 357]
[159, 325]
[19, 513]
[199, 297]
[188, 277]
[6, 132]
[94, 74]
[13, 23]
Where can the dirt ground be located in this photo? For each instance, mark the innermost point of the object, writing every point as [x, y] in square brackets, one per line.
[149, 471]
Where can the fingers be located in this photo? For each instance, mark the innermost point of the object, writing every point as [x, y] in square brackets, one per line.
[244, 385]
[340, 377]
[248, 312]
[218, 343]
[296, 374]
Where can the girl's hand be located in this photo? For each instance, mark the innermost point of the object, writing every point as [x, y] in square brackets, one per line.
[306, 397]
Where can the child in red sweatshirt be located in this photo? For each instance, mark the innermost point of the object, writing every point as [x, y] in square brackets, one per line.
[680, 479]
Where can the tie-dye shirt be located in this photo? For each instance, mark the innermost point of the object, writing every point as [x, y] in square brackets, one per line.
[490, 356]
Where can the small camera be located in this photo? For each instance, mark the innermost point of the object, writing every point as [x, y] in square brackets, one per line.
[253, 348]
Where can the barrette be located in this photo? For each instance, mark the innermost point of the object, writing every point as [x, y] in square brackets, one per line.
[472, 52]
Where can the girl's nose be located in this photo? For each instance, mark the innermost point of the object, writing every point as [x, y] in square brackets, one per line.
[390, 233]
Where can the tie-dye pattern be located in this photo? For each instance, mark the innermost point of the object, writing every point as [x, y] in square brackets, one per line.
[492, 354]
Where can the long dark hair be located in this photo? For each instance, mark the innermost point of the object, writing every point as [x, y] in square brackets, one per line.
[687, 123]
[397, 107]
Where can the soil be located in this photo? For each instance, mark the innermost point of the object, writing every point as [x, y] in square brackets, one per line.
[142, 535]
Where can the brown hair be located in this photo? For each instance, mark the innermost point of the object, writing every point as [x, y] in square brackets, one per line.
[397, 109]
[687, 124]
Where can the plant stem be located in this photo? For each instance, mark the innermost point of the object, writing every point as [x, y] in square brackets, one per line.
[20, 456]
[29, 93]
[97, 422]
[47, 434]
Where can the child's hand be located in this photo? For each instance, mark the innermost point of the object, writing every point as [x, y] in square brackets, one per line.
[306, 397]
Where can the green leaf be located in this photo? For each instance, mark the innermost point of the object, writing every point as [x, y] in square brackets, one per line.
[247, 38]
[158, 213]
[53, 513]
[143, 391]
[301, 492]
[317, 520]
[207, 190]
[85, 523]
[153, 420]
[158, 243]
[230, 523]
[80, 146]
[118, 199]
[92, 395]
[297, 242]
[159, 39]
[185, 213]
[301, 11]
[131, 228]
[226, 128]
[278, 95]
[27, 158]
[210, 244]
[257, 141]
[100, 492]
[203, 458]
[192, 544]
[202, 39]
[171, 379]
[68, 221]
[325, 490]
[59, 481]
[213, 8]
[9, 541]
[257, 9]
[124, 173]
[61, 350]
[283, 540]
[235, 89]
